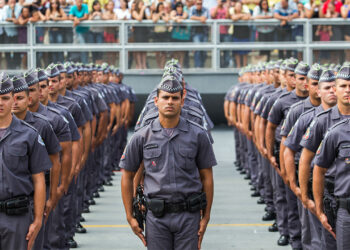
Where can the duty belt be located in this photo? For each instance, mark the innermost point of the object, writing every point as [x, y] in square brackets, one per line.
[344, 203]
[15, 206]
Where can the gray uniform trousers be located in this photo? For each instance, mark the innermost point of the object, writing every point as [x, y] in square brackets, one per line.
[253, 162]
[329, 241]
[177, 231]
[14, 229]
[281, 205]
[56, 232]
[316, 232]
[39, 241]
[260, 180]
[69, 211]
[243, 145]
[343, 229]
[237, 145]
[305, 227]
[268, 190]
[294, 226]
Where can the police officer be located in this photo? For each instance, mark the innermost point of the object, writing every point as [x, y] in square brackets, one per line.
[328, 99]
[334, 153]
[38, 91]
[276, 117]
[314, 135]
[21, 150]
[167, 197]
[39, 122]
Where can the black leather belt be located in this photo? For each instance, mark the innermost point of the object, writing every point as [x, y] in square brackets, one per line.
[344, 203]
[175, 207]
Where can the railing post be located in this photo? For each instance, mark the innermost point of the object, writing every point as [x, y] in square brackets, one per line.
[123, 38]
[31, 55]
[308, 42]
[215, 58]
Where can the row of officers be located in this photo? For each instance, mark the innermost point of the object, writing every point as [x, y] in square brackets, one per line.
[62, 133]
[292, 138]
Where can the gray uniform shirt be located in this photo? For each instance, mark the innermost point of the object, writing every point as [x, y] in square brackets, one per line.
[280, 110]
[294, 113]
[335, 149]
[172, 163]
[22, 154]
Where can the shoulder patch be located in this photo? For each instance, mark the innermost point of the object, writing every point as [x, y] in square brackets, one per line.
[40, 140]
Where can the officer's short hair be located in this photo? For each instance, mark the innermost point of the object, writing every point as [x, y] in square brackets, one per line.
[181, 92]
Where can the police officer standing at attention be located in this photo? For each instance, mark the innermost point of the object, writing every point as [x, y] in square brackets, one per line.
[178, 159]
[21, 148]
[331, 162]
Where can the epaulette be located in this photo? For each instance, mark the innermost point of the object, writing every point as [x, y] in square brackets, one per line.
[77, 93]
[61, 106]
[196, 124]
[69, 98]
[323, 112]
[194, 114]
[308, 111]
[54, 110]
[342, 122]
[285, 94]
[40, 116]
[28, 125]
[150, 116]
[296, 104]
[195, 109]
[192, 99]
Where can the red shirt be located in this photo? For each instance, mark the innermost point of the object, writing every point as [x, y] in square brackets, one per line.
[337, 5]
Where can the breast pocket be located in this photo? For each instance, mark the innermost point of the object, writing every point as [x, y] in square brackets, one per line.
[189, 156]
[16, 158]
[152, 159]
[344, 154]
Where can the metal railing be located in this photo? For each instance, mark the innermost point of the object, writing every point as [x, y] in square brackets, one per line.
[123, 45]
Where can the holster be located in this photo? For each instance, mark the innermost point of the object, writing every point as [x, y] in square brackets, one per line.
[137, 213]
[157, 207]
[330, 212]
[196, 202]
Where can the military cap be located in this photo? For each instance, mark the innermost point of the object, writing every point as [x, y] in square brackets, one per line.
[19, 84]
[31, 77]
[337, 67]
[170, 84]
[327, 76]
[270, 65]
[291, 64]
[42, 75]
[344, 73]
[61, 68]
[278, 63]
[52, 71]
[315, 72]
[302, 68]
[69, 68]
[284, 64]
[6, 85]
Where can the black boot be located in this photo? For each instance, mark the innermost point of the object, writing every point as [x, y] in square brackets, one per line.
[80, 229]
[269, 216]
[273, 227]
[71, 243]
[283, 240]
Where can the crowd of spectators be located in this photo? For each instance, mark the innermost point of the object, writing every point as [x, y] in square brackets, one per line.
[171, 12]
